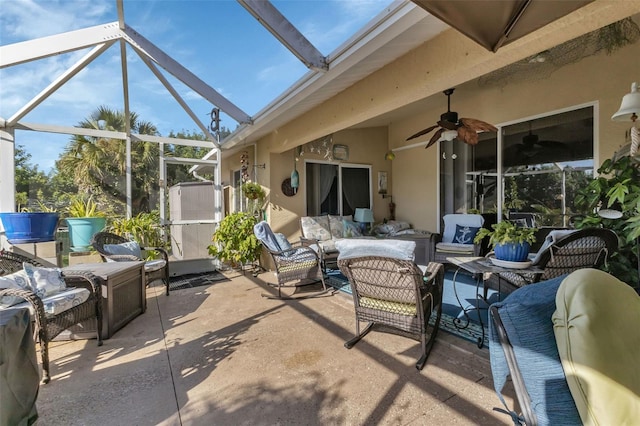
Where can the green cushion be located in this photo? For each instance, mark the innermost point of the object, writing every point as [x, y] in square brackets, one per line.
[597, 329]
[389, 306]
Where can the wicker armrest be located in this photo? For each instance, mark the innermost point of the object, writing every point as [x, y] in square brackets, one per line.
[92, 283]
[30, 297]
[160, 250]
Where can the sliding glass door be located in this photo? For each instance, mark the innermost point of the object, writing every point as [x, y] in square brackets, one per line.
[337, 188]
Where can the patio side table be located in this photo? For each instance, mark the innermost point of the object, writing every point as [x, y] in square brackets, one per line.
[124, 297]
[478, 267]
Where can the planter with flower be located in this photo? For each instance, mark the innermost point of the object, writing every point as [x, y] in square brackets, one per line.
[84, 219]
[510, 242]
[256, 196]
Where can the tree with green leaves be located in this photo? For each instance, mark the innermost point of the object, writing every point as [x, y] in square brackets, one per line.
[98, 164]
[31, 183]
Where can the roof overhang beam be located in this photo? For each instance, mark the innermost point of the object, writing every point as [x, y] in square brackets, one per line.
[31, 50]
[287, 33]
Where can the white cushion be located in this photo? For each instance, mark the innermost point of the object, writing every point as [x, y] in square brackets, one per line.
[154, 265]
[17, 281]
[397, 249]
[44, 281]
[60, 302]
[130, 248]
[455, 248]
[451, 220]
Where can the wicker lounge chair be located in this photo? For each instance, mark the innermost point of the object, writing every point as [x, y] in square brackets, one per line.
[48, 326]
[131, 251]
[572, 250]
[296, 265]
[394, 295]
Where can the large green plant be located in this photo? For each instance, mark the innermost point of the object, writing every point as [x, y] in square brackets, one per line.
[84, 207]
[506, 232]
[142, 228]
[617, 186]
[234, 240]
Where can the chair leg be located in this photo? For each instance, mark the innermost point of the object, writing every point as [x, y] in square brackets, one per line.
[44, 353]
[350, 343]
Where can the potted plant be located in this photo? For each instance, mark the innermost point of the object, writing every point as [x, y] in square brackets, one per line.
[84, 219]
[256, 195]
[234, 240]
[30, 227]
[510, 242]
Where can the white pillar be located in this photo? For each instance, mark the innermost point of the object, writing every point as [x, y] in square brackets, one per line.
[7, 170]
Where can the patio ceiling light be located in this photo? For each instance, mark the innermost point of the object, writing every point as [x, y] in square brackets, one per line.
[629, 109]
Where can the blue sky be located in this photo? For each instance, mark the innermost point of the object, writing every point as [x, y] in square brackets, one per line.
[218, 40]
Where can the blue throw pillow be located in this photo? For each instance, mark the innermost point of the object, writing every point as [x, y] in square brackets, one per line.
[465, 234]
[282, 241]
[526, 315]
[351, 229]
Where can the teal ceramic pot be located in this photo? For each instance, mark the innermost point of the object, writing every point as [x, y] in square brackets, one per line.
[37, 227]
[512, 252]
[82, 229]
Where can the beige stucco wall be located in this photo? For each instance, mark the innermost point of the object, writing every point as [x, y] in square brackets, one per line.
[450, 60]
[602, 79]
[366, 146]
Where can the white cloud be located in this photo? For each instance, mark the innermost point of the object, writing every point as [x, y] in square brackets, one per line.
[28, 19]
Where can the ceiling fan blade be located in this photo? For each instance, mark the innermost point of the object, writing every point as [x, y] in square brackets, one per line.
[467, 135]
[478, 125]
[435, 138]
[422, 132]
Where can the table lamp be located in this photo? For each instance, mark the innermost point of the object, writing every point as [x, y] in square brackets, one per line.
[363, 216]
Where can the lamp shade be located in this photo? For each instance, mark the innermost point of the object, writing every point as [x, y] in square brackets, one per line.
[363, 215]
[295, 179]
[630, 105]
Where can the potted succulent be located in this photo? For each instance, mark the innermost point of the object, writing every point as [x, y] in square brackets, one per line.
[510, 242]
[84, 219]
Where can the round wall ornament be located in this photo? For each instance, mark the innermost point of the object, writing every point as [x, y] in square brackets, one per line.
[287, 189]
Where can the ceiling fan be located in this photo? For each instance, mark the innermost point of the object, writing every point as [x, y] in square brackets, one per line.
[467, 128]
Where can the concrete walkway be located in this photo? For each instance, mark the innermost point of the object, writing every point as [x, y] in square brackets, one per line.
[224, 355]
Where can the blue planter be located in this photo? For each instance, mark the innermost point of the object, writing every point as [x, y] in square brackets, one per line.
[82, 229]
[22, 228]
[512, 252]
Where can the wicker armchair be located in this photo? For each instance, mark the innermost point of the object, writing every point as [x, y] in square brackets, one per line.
[456, 241]
[48, 326]
[153, 269]
[296, 264]
[394, 295]
[584, 248]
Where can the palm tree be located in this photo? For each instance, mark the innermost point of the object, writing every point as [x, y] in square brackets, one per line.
[98, 165]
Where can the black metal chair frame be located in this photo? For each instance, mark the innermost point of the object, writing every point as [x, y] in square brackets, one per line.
[384, 288]
[100, 239]
[47, 327]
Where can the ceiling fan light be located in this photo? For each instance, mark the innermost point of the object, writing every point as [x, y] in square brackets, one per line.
[448, 135]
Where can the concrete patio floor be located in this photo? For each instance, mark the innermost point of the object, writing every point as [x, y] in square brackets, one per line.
[224, 355]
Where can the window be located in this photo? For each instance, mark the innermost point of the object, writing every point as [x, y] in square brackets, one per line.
[542, 163]
[337, 189]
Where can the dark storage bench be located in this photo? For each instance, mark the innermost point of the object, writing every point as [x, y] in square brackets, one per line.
[123, 297]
